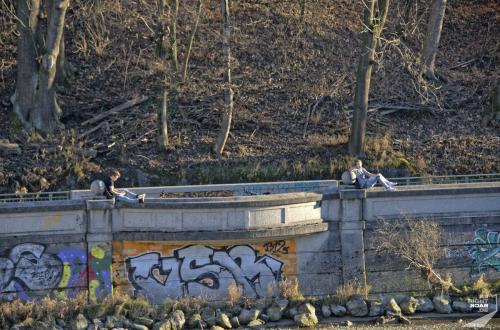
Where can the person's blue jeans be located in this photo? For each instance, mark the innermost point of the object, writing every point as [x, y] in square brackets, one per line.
[380, 179]
[129, 197]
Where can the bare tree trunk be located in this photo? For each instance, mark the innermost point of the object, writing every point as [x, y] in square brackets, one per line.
[161, 30]
[64, 71]
[163, 118]
[23, 100]
[191, 40]
[174, 12]
[432, 37]
[375, 15]
[228, 99]
[35, 101]
[46, 119]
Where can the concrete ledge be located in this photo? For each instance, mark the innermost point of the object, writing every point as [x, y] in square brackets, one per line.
[352, 193]
[433, 190]
[269, 233]
[42, 206]
[224, 202]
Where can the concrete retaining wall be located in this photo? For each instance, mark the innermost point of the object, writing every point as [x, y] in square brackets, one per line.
[203, 246]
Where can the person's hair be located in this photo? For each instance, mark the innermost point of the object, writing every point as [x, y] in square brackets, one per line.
[358, 160]
[114, 172]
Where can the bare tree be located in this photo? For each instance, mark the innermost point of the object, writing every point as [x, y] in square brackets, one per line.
[162, 29]
[432, 37]
[174, 14]
[35, 100]
[374, 17]
[228, 98]
[191, 40]
[163, 127]
[417, 242]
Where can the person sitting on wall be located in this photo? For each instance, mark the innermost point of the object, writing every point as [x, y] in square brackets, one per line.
[365, 179]
[121, 195]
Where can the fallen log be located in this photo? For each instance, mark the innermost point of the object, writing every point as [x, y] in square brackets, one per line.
[121, 107]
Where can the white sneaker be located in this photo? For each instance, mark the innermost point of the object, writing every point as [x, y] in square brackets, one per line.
[393, 183]
[390, 189]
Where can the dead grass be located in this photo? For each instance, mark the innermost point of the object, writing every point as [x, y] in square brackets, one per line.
[289, 289]
[345, 291]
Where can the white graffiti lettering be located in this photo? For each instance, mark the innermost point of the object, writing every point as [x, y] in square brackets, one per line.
[29, 267]
[202, 271]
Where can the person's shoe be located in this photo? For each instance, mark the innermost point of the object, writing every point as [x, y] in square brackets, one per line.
[393, 183]
[390, 189]
[141, 198]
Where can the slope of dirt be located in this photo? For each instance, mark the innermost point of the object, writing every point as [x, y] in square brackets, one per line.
[282, 66]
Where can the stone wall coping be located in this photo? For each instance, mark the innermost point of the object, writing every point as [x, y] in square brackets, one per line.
[42, 206]
[214, 202]
[349, 192]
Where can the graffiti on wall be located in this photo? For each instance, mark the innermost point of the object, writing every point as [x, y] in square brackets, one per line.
[484, 249]
[204, 271]
[29, 272]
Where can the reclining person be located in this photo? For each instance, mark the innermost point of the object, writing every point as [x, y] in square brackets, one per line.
[121, 195]
[365, 179]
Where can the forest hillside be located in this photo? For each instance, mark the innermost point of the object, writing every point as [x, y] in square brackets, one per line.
[293, 64]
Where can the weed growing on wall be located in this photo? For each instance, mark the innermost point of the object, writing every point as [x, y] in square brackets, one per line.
[345, 291]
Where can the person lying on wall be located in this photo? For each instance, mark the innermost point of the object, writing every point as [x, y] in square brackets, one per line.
[365, 179]
[120, 195]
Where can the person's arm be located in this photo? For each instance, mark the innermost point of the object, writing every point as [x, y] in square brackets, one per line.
[368, 173]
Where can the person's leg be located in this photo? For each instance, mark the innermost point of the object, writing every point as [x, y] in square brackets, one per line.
[370, 182]
[127, 199]
[130, 194]
[384, 182]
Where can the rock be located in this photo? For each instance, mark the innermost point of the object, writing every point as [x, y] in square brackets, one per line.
[91, 327]
[135, 326]
[235, 322]
[292, 312]
[392, 306]
[461, 307]
[196, 322]
[248, 315]
[409, 306]
[348, 323]
[306, 308]
[223, 320]
[357, 306]
[177, 320]
[255, 323]
[338, 310]
[163, 325]
[442, 304]
[325, 310]
[282, 303]
[79, 323]
[275, 313]
[264, 317]
[216, 327]
[424, 305]
[376, 308]
[208, 315]
[308, 320]
[144, 321]
[400, 297]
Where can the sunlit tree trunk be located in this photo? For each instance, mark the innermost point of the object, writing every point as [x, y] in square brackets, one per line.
[432, 37]
[375, 14]
[35, 100]
[228, 99]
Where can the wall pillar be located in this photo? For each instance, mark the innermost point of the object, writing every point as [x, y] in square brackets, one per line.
[351, 228]
[99, 249]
